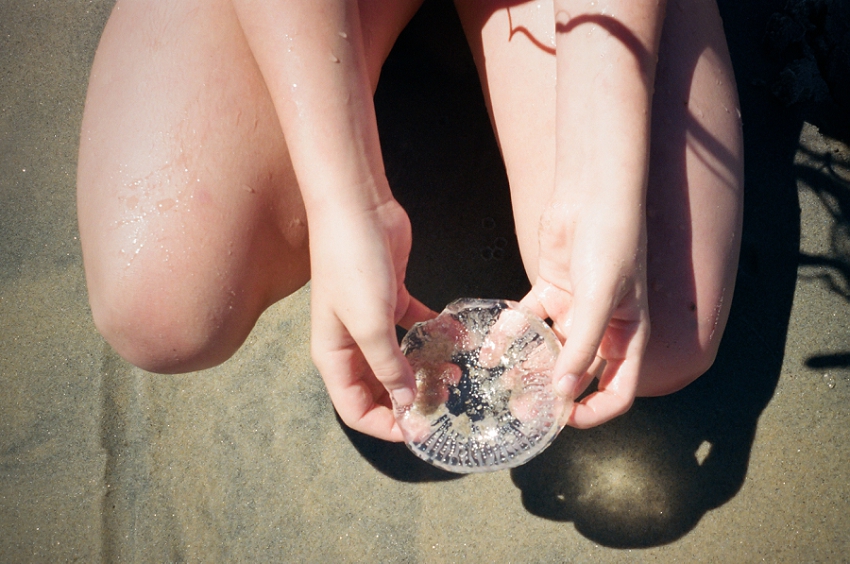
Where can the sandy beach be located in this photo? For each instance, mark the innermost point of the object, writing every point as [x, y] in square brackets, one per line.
[101, 461]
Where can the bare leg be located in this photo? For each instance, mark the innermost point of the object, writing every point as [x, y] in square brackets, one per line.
[190, 215]
[695, 195]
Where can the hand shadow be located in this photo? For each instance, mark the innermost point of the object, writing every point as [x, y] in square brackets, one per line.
[649, 476]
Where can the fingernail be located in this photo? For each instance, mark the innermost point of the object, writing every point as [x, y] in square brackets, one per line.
[403, 396]
[566, 385]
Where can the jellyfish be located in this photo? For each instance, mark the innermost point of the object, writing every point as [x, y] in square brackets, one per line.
[485, 399]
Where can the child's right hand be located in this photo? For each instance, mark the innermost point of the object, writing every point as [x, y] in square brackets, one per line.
[358, 263]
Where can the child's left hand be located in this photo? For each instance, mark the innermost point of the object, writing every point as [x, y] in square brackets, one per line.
[592, 283]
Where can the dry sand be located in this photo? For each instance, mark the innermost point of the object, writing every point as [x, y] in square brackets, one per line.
[246, 462]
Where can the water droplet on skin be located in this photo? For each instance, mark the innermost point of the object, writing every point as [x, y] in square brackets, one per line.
[165, 204]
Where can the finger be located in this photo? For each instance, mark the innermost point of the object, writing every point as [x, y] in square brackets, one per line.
[590, 317]
[617, 384]
[361, 401]
[357, 410]
[381, 424]
[378, 420]
[610, 401]
[548, 301]
[595, 371]
[532, 302]
[416, 312]
[379, 346]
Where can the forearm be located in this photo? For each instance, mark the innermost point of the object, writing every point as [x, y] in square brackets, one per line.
[312, 57]
[606, 58]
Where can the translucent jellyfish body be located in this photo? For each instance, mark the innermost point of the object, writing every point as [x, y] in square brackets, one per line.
[484, 399]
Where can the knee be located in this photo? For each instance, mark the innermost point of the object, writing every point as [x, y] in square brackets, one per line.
[668, 369]
[163, 333]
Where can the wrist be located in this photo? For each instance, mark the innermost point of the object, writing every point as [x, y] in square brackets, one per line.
[333, 196]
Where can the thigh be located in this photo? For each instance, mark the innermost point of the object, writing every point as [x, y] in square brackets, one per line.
[188, 207]
[694, 197]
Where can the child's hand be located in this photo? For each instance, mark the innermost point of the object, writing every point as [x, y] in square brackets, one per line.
[318, 70]
[591, 271]
[592, 283]
[358, 263]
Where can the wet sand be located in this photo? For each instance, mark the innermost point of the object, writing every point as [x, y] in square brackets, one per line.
[100, 461]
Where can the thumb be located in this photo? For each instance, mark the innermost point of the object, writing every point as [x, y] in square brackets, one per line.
[388, 364]
[414, 312]
[589, 318]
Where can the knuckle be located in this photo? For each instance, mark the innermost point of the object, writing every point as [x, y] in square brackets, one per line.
[370, 330]
[584, 353]
[387, 374]
[621, 405]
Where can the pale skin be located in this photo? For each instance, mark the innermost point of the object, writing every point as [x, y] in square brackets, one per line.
[229, 154]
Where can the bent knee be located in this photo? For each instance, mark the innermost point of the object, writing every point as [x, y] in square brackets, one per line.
[166, 334]
[668, 371]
